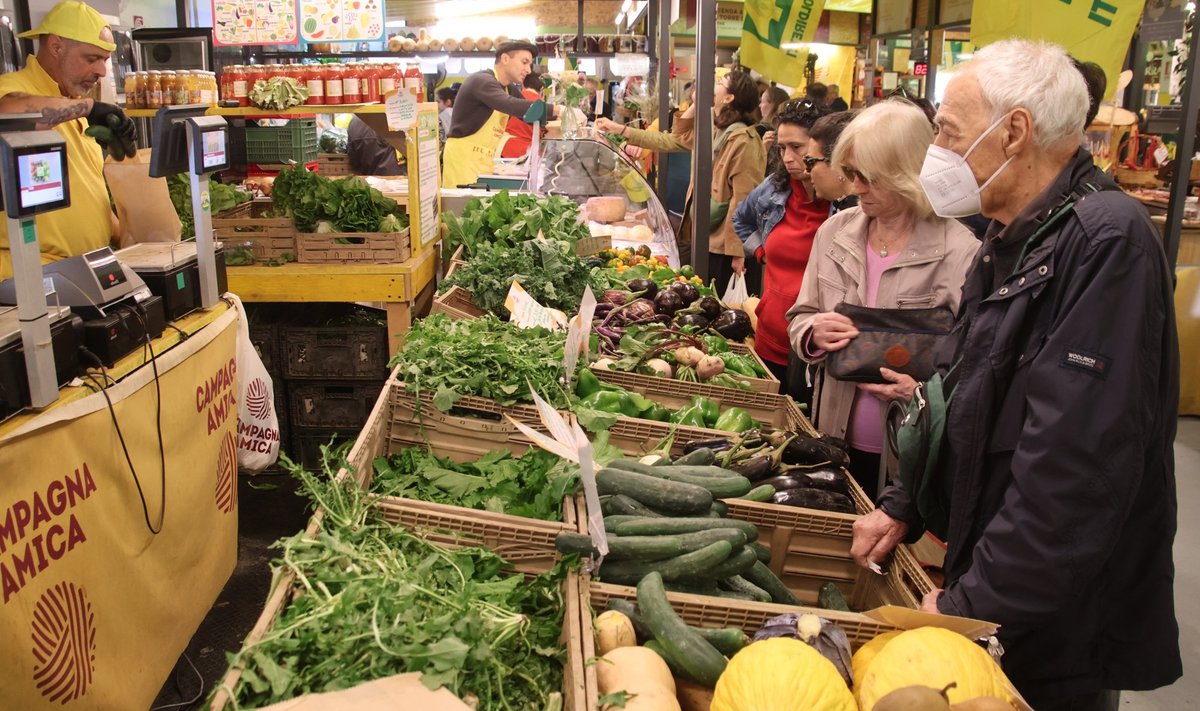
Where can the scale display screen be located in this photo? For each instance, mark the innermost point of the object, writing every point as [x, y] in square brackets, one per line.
[212, 145]
[40, 178]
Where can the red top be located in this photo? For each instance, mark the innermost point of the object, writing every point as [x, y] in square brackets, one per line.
[787, 249]
[520, 133]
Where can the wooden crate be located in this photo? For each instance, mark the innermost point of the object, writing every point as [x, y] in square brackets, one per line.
[246, 226]
[365, 247]
[456, 303]
[633, 381]
[772, 408]
[333, 165]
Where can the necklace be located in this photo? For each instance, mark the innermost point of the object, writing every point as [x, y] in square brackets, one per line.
[883, 250]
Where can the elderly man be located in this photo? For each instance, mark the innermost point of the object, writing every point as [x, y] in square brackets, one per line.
[1057, 465]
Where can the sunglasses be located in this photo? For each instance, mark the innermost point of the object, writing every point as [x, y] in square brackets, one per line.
[810, 162]
[795, 104]
[850, 174]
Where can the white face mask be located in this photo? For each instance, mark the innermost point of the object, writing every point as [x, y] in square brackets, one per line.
[949, 183]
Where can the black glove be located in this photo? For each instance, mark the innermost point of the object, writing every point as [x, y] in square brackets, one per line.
[113, 130]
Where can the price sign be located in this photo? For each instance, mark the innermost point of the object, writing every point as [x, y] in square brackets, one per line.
[401, 108]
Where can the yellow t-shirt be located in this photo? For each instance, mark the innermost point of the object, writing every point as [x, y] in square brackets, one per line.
[87, 223]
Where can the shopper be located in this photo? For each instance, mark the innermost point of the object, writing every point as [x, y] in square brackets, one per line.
[889, 252]
[817, 93]
[776, 224]
[481, 111]
[822, 141]
[368, 153]
[768, 105]
[1058, 456]
[74, 43]
[836, 102]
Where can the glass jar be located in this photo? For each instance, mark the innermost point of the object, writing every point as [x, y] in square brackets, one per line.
[167, 81]
[333, 84]
[241, 89]
[414, 83]
[387, 79]
[352, 84]
[254, 74]
[182, 89]
[193, 87]
[370, 83]
[313, 80]
[131, 91]
[154, 95]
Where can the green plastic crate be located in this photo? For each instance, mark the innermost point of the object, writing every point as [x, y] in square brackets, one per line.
[296, 140]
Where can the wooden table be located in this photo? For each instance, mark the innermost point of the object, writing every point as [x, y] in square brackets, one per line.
[399, 286]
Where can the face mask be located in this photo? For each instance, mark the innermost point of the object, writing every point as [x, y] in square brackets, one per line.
[949, 183]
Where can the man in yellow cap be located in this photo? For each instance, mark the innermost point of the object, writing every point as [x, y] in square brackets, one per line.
[74, 43]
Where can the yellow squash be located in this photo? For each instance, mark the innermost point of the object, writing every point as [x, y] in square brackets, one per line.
[781, 674]
[865, 654]
[933, 657]
[613, 630]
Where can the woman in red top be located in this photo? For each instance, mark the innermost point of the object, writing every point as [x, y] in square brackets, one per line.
[777, 224]
[518, 135]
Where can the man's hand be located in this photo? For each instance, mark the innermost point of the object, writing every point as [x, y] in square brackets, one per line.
[557, 109]
[929, 602]
[113, 130]
[898, 387]
[832, 331]
[875, 535]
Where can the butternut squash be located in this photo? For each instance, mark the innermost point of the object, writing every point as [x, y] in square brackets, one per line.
[613, 630]
[641, 674]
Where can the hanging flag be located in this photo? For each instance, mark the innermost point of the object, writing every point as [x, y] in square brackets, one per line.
[1090, 30]
[771, 34]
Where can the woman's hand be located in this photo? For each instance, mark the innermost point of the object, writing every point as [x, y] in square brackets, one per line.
[608, 125]
[768, 138]
[832, 331]
[898, 387]
[634, 152]
[739, 265]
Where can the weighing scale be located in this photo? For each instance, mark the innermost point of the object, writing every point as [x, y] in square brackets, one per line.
[172, 271]
[66, 332]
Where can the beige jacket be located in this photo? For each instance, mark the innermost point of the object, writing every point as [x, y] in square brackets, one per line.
[929, 273]
[737, 170]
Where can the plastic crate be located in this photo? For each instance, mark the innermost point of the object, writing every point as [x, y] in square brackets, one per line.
[456, 303]
[353, 247]
[340, 404]
[332, 165]
[334, 352]
[265, 339]
[261, 170]
[246, 225]
[304, 444]
[294, 141]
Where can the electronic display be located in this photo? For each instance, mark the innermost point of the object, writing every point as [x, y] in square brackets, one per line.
[212, 150]
[33, 168]
[40, 178]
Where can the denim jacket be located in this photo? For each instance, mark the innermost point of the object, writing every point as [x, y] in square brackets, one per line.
[758, 214]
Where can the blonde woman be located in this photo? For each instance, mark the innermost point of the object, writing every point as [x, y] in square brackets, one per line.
[891, 251]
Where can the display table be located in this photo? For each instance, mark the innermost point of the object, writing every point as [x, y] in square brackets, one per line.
[119, 523]
[399, 286]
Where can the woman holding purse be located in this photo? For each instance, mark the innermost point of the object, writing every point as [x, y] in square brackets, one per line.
[890, 252]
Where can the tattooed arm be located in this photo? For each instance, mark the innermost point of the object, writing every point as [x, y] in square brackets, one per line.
[54, 109]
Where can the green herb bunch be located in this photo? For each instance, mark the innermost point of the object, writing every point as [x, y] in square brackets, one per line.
[513, 219]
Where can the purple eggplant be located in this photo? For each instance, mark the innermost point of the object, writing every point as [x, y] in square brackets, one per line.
[717, 445]
[689, 319]
[615, 297]
[756, 469]
[814, 499]
[667, 303]
[687, 291]
[733, 324]
[645, 288]
[801, 449]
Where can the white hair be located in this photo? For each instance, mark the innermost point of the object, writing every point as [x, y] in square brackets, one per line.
[1036, 76]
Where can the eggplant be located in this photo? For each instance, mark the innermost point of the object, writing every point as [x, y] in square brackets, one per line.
[756, 469]
[646, 287]
[810, 450]
[824, 479]
[814, 499]
[719, 444]
[836, 442]
[614, 296]
[687, 291]
[733, 324]
[667, 303]
[709, 306]
[639, 310]
[697, 320]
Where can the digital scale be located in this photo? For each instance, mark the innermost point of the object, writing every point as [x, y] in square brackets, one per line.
[171, 271]
[66, 334]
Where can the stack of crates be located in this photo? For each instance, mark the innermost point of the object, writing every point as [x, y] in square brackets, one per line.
[269, 147]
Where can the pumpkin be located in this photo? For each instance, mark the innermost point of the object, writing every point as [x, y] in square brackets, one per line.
[642, 674]
[934, 657]
[605, 208]
[613, 630]
[781, 674]
[862, 658]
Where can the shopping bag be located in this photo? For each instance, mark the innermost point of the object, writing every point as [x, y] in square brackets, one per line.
[258, 421]
[143, 203]
[735, 291]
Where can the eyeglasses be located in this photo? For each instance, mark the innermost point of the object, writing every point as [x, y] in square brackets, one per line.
[810, 162]
[851, 174]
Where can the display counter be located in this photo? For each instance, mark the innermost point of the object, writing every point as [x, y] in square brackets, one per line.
[119, 526]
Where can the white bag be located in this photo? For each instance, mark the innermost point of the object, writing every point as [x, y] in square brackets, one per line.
[735, 291]
[258, 422]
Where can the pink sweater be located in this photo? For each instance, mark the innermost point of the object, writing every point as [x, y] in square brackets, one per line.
[866, 417]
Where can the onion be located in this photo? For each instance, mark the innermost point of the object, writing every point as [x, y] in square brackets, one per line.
[710, 366]
[688, 355]
[662, 368]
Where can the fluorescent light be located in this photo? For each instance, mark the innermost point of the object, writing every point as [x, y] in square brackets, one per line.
[450, 9]
[625, 7]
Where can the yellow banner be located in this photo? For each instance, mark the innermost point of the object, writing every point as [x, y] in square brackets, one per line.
[94, 607]
[1091, 30]
[771, 33]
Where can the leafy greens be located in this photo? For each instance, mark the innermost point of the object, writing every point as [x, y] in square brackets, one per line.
[512, 219]
[348, 205]
[547, 269]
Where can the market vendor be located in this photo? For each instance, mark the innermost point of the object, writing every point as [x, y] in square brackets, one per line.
[481, 112]
[74, 43]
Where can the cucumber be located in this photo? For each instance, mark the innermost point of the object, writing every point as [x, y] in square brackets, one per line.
[739, 584]
[830, 598]
[676, 670]
[631, 572]
[633, 526]
[681, 470]
[696, 655]
[762, 494]
[620, 505]
[611, 522]
[693, 587]
[722, 487]
[728, 640]
[738, 562]
[731, 595]
[761, 575]
[764, 553]
[647, 548]
[629, 609]
[720, 508]
[672, 496]
[697, 457]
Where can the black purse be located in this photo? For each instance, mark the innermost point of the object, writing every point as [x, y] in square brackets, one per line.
[903, 340]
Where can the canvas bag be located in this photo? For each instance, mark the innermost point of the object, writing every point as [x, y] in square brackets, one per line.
[258, 421]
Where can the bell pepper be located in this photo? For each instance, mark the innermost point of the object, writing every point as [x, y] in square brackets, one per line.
[689, 415]
[715, 344]
[709, 409]
[735, 419]
[687, 271]
[739, 365]
[657, 413]
[628, 405]
[604, 401]
[587, 383]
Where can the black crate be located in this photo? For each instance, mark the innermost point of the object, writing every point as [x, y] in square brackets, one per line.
[265, 338]
[334, 352]
[342, 405]
[304, 447]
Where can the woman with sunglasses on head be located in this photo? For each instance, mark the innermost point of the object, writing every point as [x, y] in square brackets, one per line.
[776, 224]
[890, 252]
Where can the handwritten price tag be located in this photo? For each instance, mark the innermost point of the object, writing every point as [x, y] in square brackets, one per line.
[401, 110]
[526, 312]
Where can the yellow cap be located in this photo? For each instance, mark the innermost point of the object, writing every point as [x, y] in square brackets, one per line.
[76, 21]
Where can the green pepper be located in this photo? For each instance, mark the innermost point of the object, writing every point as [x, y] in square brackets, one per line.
[587, 382]
[657, 413]
[604, 401]
[715, 344]
[709, 409]
[627, 404]
[739, 365]
[689, 416]
[687, 271]
[735, 419]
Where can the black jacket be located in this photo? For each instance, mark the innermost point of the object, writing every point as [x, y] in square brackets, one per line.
[1059, 461]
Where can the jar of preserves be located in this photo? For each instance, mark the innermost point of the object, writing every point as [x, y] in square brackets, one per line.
[333, 84]
[387, 79]
[312, 79]
[241, 89]
[154, 96]
[370, 83]
[131, 91]
[166, 81]
[182, 90]
[194, 79]
[254, 74]
[414, 83]
[352, 84]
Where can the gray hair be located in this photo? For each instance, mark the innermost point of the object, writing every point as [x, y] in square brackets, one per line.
[1036, 76]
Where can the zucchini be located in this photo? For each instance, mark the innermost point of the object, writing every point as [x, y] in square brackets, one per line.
[764, 553]
[830, 598]
[621, 505]
[697, 457]
[761, 575]
[683, 469]
[629, 609]
[728, 640]
[761, 493]
[738, 562]
[646, 548]
[634, 526]
[696, 655]
[739, 584]
[611, 522]
[721, 487]
[676, 670]
[692, 587]
[673, 496]
[631, 572]
[720, 508]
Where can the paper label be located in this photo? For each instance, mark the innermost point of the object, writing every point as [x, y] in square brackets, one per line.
[1161, 154]
[401, 108]
[526, 312]
[578, 332]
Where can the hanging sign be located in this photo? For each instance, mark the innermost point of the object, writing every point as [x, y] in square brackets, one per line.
[251, 22]
[771, 36]
[341, 20]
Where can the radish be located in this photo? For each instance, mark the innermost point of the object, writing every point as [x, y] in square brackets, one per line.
[710, 366]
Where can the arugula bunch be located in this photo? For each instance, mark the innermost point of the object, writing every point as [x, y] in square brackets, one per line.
[547, 269]
[376, 600]
[513, 219]
[485, 357]
[223, 197]
[318, 204]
